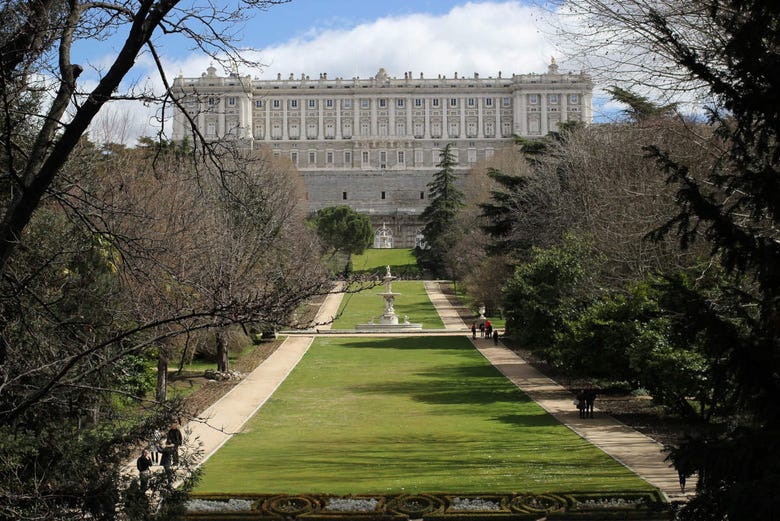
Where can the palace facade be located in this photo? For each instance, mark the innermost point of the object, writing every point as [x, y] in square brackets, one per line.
[374, 143]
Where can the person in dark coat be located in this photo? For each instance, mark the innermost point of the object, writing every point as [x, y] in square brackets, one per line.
[143, 464]
[590, 399]
[580, 401]
[495, 336]
[175, 438]
[473, 330]
[166, 460]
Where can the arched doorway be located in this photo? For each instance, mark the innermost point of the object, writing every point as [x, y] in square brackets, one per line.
[383, 237]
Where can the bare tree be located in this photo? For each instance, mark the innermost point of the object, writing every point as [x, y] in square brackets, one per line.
[34, 33]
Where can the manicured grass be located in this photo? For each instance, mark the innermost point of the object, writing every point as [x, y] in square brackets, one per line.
[401, 261]
[405, 414]
[360, 308]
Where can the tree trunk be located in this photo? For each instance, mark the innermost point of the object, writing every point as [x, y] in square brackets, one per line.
[222, 352]
[162, 374]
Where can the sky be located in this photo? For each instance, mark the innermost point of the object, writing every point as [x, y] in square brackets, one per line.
[347, 38]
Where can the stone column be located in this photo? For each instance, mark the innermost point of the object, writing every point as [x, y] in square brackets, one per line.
[267, 133]
[221, 116]
[285, 136]
[356, 117]
[480, 123]
[543, 114]
[320, 118]
[563, 102]
[374, 101]
[337, 105]
[391, 116]
[497, 111]
[409, 104]
[303, 131]
[462, 129]
[427, 121]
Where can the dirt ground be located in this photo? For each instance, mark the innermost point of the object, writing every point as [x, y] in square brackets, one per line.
[209, 391]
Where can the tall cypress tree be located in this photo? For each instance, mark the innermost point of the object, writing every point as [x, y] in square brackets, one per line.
[446, 200]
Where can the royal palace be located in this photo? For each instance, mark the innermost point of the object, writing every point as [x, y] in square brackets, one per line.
[373, 143]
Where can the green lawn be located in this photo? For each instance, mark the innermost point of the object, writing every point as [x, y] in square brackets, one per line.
[401, 261]
[409, 414]
[360, 308]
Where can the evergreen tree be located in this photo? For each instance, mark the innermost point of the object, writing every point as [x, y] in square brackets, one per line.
[446, 200]
[728, 51]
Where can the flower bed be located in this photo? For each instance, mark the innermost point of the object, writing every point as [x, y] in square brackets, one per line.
[434, 507]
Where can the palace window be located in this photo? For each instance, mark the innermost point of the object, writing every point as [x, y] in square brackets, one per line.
[418, 129]
[344, 195]
[365, 157]
[293, 103]
[382, 103]
[506, 101]
[488, 102]
[329, 158]
[533, 99]
[259, 104]
[453, 102]
[553, 98]
[472, 102]
[312, 103]
[400, 103]
[211, 128]
[329, 103]
[401, 157]
[348, 157]
[418, 157]
[435, 102]
[418, 102]
[277, 104]
[231, 101]
[312, 157]
[364, 103]
[346, 103]
[294, 157]
[574, 99]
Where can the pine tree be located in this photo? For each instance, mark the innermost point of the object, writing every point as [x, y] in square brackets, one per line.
[446, 200]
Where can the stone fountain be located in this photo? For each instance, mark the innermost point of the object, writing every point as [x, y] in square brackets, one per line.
[388, 321]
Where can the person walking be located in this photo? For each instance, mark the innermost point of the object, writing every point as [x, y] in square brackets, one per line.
[495, 337]
[473, 330]
[481, 330]
[580, 403]
[590, 399]
[174, 438]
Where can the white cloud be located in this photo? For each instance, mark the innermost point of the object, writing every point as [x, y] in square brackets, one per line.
[475, 37]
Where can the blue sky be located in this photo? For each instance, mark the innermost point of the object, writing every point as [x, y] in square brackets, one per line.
[346, 38]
